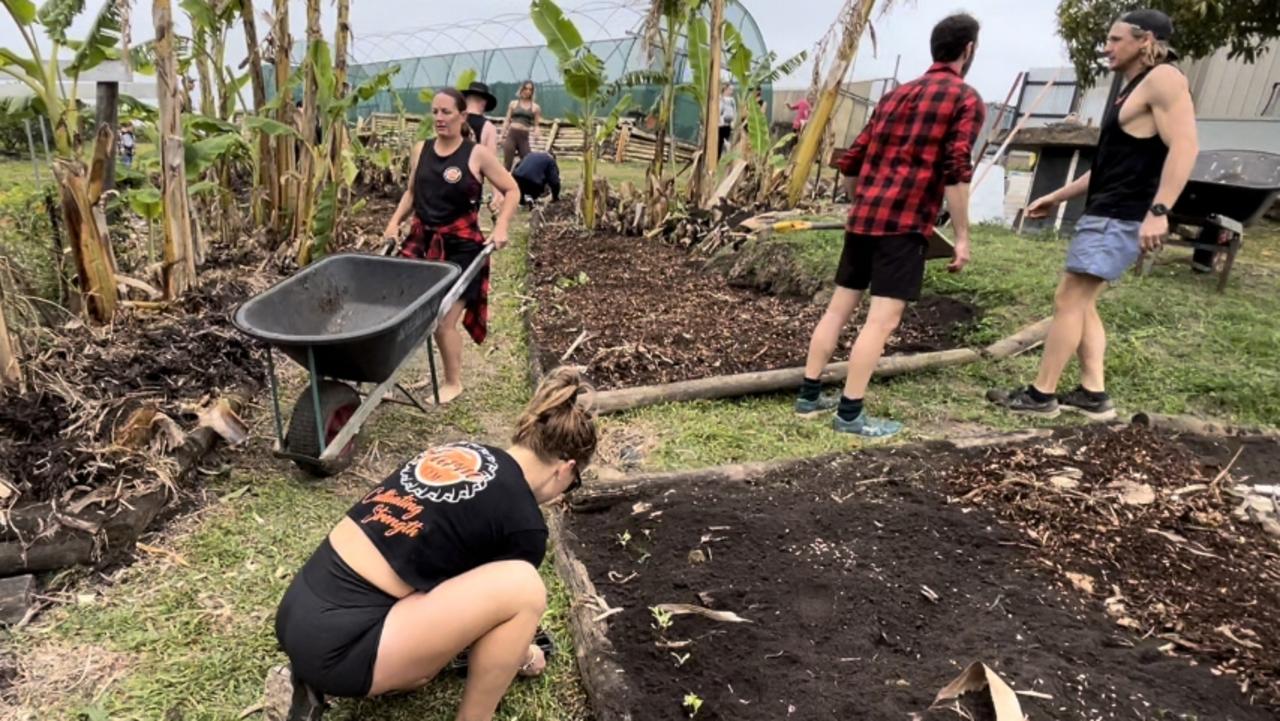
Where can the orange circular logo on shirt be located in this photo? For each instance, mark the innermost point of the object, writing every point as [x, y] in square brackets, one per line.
[452, 174]
[448, 464]
[449, 474]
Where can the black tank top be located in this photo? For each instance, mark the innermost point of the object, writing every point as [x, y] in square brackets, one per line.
[477, 123]
[444, 189]
[1126, 170]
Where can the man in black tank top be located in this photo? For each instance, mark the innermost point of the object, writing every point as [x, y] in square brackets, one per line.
[479, 102]
[1145, 154]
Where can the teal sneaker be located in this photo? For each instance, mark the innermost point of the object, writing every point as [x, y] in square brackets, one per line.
[824, 403]
[866, 426]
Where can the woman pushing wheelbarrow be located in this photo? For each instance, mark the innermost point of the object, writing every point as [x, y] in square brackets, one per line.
[445, 186]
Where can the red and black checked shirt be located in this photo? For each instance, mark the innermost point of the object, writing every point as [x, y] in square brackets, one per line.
[427, 243]
[919, 140]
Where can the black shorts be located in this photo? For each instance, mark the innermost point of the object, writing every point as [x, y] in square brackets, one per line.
[462, 252]
[892, 266]
[329, 624]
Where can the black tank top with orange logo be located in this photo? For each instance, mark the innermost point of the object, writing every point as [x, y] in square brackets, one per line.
[444, 188]
[451, 509]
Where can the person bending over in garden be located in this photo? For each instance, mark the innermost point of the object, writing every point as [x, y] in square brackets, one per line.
[536, 175]
[444, 191]
[440, 557]
[914, 152]
[1146, 152]
[523, 119]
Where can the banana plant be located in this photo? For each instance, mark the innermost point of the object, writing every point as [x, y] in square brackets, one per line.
[584, 78]
[319, 209]
[40, 71]
[664, 27]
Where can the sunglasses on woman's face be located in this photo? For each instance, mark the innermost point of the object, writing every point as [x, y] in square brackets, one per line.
[576, 483]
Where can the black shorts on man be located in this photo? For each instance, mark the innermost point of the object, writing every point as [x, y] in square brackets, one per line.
[892, 266]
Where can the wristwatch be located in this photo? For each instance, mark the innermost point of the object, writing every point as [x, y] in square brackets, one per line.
[1159, 209]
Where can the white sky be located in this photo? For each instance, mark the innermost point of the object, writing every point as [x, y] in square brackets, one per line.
[1016, 34]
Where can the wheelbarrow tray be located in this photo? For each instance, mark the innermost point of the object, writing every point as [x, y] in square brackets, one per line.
[1239, 184]
[359, 315]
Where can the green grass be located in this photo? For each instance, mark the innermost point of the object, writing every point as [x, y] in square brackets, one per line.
[198, 638]
[18, 172]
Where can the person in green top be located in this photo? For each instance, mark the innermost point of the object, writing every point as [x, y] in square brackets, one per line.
[523, 118]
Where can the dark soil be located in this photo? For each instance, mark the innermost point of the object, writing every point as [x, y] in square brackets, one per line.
[655, 316]
[85, 381]
[835, 563]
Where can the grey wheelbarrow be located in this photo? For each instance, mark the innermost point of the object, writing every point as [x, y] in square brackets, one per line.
[350, 320]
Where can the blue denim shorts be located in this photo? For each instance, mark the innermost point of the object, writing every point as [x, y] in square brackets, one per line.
[1103, 247]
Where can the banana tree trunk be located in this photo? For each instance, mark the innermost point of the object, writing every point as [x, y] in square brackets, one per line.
[855, 14]
[589, 170]
[711, 113]
[664, 110]
[307, 170]
[89, 249]
[286, 146]
[179, 250]
[266, 195]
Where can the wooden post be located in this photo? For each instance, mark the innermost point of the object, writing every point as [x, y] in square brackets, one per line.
[1071, 175]
[711, 113]
[179, 254]
[109, 115]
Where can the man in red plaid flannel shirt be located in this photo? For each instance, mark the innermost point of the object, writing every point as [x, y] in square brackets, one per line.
[913, 152]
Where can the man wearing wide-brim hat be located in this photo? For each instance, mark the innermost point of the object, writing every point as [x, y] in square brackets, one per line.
[480, 101]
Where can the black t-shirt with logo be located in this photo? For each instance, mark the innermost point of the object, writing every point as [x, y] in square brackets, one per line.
[451, 509]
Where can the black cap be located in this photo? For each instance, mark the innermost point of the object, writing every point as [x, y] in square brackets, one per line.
[1154, 22]
[482, 90]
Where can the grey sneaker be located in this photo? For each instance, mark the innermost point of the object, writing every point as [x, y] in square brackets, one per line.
[1019, 400]
[866, 426]
[824, 403]
[1081, 401]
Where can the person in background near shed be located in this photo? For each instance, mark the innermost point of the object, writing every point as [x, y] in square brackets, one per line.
[439, 557]
[127, 144]
[524, 116]
[728, 114]
[801, 108]
[922, 131]
[1146, 151]
[536, 175]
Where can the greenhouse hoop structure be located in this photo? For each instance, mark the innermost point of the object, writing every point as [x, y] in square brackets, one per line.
[506, 50]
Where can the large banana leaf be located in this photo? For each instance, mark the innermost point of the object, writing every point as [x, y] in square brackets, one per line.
[324, 222]
[467, 77]
[699, 58]
[208, 125]
[611, 123]
[146, 202]
[758, 129]
[270, 127]
[740, 56]
[202, 14]
[562, 36]
[771, 73]
[583, 76]
[57, 15]
[102, 42]
[10, 59]
[23, 11]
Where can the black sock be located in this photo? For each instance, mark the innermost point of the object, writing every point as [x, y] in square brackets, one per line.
[1037, 395]
[1095, 396]
[810, 389]
[850, 408]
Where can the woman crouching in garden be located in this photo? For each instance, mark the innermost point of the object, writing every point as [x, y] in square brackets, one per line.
[445, 187]
[442, 556]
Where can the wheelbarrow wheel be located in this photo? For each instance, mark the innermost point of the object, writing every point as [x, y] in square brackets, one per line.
[338, 402]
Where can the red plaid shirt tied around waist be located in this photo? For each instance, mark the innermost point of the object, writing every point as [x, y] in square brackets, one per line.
[427, 243]
[919, 140]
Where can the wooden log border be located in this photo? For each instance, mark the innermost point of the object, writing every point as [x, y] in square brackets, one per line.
[1199, 426]
[44, 537]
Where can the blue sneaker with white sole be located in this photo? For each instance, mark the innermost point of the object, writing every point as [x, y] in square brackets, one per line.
[866, 426]
[806, 408]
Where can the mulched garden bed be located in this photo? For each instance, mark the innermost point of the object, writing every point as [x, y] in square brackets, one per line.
[653, 315]
[1068, 565]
